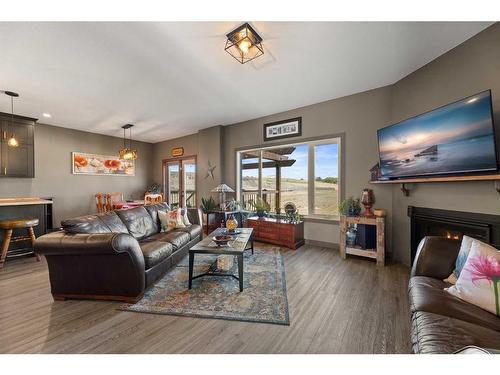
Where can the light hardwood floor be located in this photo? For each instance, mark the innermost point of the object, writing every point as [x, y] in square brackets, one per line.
[335, 306]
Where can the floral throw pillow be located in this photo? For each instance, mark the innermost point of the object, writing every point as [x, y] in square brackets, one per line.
[170, 220]
[178, 218]
[163, 215]
[461, 259]
[479, 281]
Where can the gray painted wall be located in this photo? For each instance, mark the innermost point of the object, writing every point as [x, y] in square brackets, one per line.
[357, 116]
[469, 68]
[74, 194]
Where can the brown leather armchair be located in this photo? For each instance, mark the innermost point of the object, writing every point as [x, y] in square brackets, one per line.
[441, 322]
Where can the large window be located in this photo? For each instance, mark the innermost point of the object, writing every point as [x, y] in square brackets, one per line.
[306, 174]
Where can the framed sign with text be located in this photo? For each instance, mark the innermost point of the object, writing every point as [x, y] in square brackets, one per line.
[283, 129]
[177, 151]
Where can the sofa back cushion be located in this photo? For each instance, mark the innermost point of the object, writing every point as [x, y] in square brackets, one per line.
[153, 212]
[113, 222]
[85, 224]
[138, 222]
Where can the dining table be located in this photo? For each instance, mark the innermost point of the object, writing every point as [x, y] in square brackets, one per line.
[128, 204]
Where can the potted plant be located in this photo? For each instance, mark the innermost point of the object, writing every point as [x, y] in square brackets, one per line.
[233, 205]
[350, 207]
[154, 188]
[261, 206]
[208, 204]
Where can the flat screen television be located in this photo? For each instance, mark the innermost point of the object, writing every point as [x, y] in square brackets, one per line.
[455, 139]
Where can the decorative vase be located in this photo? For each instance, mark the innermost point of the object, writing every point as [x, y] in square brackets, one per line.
[368, 199]
[351, 236]
[231, 223]
[261, 214]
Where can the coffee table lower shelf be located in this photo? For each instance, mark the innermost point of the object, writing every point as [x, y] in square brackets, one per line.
[238, 251]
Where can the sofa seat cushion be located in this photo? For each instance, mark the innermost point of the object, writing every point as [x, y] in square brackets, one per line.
[433, 333]
[155, 251]
[428, 294]
[176, 238]
[138, 222]
[194, 230]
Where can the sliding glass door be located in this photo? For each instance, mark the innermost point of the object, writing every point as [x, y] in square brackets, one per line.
[179, 182]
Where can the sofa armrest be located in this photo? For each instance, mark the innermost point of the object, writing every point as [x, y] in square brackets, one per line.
[435, 257]
[194, 216]
[64, 243]
[99, 265]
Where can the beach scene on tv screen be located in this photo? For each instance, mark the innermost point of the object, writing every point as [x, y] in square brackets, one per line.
[452, 139]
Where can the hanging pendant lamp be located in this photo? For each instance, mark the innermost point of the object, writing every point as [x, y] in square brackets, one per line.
[12, 141]
[127, 153]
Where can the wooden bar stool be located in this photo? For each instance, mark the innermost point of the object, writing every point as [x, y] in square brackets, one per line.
[8, 226]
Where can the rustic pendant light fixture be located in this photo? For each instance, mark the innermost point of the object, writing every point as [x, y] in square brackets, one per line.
[244, 44]
[127, 153]
[12, 141]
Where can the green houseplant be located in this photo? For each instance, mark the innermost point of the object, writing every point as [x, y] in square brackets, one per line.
[260, 206]
[154, 188]
[233, 205]
[208, 204]
[350, 207]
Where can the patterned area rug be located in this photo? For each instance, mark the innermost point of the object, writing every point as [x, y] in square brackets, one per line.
[263, 299]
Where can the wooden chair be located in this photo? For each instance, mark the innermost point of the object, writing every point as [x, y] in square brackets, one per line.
[103, 202]
[150, 198]
[117, 201]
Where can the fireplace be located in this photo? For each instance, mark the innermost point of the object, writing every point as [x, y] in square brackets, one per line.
[452, 224]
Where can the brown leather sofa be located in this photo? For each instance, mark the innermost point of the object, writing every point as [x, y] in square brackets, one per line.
[440, 322]
[115, 255]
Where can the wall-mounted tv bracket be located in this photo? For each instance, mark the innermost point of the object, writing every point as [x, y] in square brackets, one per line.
[405, 189]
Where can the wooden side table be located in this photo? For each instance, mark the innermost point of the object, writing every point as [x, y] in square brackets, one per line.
[378, 253]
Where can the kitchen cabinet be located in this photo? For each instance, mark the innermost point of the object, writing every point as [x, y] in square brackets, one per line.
[17, 161]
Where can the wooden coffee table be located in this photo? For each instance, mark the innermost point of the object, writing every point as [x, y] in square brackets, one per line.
[236, 247]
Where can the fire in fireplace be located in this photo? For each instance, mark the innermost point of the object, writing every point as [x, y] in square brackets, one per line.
[452, 224]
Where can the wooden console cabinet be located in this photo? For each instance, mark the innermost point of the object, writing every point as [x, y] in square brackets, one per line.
[277, 232]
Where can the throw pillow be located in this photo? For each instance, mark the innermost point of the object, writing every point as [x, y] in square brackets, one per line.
[479, 281]
[185, 218]
[170, 220]
[463, 253]
[163, 215]
[179, 219]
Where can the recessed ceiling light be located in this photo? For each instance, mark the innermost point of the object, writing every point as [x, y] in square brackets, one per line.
[48, 115]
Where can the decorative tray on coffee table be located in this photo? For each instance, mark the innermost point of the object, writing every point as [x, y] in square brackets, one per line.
[222, 240]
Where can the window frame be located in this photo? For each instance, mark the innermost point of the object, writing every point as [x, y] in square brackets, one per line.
[311, 143]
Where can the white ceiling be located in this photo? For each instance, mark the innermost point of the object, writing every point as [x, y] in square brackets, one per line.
[172, 79]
